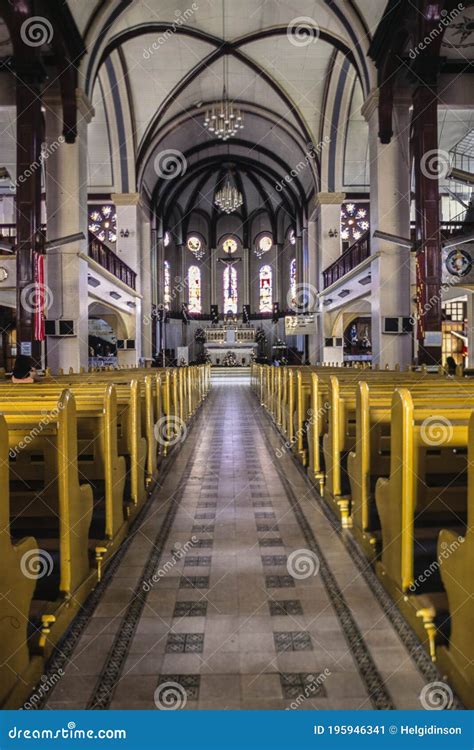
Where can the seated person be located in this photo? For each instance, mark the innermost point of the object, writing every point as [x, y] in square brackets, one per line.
[23, 370]
[451, 365]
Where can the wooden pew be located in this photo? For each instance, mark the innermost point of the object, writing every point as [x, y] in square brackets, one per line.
[456, 561]
[18, 669]
[412, 511]
[59, 513]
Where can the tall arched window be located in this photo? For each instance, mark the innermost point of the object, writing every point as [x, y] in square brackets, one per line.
[194, 289]
[265, 290]
[292, 294]
[230, 290]
[167, 285]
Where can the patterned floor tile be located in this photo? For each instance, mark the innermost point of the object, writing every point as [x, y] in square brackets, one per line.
[267, 527]
[190, 609]
[189, 683]
[271, 542]
[194, 582]
[293, 641]
[273, 560]
[288, 607]
[279, 582]
[296, 684]
[197, 562]
[185, 643]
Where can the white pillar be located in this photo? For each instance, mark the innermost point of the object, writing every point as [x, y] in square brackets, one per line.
[66, 197]
[134, 248]
[313, 282]
[328, 238]
[389, 212]
[470, 330]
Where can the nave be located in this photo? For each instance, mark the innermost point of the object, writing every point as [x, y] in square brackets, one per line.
[239, 591]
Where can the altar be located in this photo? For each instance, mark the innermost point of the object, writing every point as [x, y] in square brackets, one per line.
[222, 340]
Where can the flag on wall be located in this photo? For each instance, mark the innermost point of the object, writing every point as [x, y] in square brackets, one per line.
[39, 297]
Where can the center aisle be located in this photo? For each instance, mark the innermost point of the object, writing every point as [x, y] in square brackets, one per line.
[237, 592]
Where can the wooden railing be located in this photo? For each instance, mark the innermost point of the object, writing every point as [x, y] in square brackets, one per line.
[105, 257]
[351, 258]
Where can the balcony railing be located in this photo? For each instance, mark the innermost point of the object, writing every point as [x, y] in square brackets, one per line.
[351, 258]
[105, 257]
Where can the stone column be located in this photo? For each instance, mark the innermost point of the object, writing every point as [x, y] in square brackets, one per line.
[328, 219]
[389, 212]
[134, 248]
[470, 329]
[66, 200]
[313, 286]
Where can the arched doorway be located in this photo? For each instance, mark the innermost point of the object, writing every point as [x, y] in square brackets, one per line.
[108, 335]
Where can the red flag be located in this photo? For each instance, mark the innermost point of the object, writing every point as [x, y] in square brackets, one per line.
[39, 298]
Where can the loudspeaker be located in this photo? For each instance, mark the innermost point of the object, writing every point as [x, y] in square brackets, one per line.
[276, 312]
[246, 313]
[214, 314]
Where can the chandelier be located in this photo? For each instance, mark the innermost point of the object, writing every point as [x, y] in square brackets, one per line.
[224, 119]
[228, 198]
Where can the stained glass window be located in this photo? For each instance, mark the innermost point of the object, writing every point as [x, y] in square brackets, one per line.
[167, 286]
[195, 245]
[264, 244]
[355, 221]
[230, 290]
[194, 289]
[293, 282]
[166, 239]
[229, 246]
[265, 291]
[292, 237]
[103, 223]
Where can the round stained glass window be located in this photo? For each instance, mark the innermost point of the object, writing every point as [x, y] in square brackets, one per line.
[103, 223]
[265, 243]
[229, 246]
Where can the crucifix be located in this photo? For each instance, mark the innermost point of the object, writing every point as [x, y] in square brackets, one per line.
[229, 263]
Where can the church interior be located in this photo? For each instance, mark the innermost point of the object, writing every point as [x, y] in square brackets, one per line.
[236, 355]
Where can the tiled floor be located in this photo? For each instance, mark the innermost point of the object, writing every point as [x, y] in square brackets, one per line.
[227, 619]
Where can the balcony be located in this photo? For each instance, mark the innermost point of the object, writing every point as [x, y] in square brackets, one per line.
[105, 257]
[351, 258]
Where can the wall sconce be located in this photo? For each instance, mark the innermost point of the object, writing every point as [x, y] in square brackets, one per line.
[124, 233]
[333, 233]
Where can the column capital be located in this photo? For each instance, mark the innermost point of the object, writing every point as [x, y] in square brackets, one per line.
[370, 105]
[126, 199]
[84, 106]
[329, 199]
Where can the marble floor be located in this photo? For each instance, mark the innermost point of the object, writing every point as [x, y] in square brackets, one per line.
[237, 592]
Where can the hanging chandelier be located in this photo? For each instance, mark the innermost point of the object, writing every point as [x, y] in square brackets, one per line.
[228, 198]
[224, 119]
